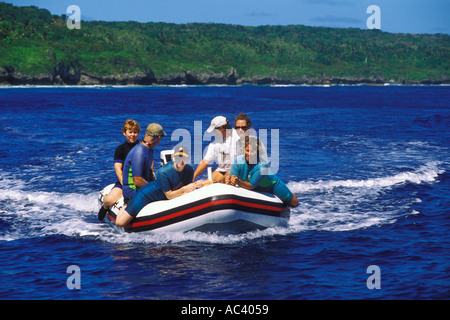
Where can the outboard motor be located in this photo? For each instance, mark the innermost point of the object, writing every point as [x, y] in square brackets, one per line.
[166, 156]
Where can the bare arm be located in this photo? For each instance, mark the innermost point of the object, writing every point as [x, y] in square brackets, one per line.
[118, 167]
[171, 194]
[243, 184]
[200, 168]
[139, 181]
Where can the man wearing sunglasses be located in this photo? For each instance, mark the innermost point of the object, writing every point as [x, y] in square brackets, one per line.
[138, 165]
[243, 127]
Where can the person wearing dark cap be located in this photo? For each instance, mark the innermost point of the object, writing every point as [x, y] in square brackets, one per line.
[138, 165]
[173, 180]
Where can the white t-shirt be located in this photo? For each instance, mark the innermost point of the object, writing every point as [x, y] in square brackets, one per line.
[223, 151]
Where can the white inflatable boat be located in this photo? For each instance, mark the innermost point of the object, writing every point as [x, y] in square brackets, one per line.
[216, 207]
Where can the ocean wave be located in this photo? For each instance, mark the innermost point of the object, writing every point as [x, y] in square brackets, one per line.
[424, 174]
[343, 205]
[73, 201]
[435, 121]
[31, 214]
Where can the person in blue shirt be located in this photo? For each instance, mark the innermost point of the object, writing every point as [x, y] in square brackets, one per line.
[172, 180]
[138, 165]
[249, 172]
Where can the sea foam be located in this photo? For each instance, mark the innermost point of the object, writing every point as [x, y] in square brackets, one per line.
[424, 174]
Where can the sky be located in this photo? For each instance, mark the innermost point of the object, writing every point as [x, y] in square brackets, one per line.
[396, 16]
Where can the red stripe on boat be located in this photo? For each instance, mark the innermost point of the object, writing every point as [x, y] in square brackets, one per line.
[206, 205]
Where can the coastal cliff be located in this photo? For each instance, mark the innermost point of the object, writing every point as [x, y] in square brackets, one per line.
[72, 77]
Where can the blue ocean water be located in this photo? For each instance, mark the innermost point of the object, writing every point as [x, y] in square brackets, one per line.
[369, 165]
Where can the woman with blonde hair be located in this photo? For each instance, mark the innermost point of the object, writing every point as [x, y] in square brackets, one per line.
[251, 171]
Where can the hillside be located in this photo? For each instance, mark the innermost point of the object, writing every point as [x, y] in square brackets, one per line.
[36, 47]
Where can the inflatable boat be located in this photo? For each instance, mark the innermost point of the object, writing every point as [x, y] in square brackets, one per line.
[215, 207]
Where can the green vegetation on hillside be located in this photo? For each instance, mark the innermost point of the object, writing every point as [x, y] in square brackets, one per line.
[32, 41]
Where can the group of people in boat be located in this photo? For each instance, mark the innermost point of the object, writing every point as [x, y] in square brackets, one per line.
[240, 156]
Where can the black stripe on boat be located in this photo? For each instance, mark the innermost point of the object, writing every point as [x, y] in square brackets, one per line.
[204, 206]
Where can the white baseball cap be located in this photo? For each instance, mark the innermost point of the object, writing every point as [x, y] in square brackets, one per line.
[217, 122]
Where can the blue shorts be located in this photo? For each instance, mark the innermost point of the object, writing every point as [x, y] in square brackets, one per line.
[118, 185]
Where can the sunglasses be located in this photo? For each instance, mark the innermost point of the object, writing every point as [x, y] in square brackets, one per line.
[151, 144]
[181, 159]
[242, 127]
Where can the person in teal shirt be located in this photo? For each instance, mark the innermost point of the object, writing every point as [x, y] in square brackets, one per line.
[250, 173]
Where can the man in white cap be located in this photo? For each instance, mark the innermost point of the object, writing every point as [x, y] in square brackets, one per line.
[219, 150]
